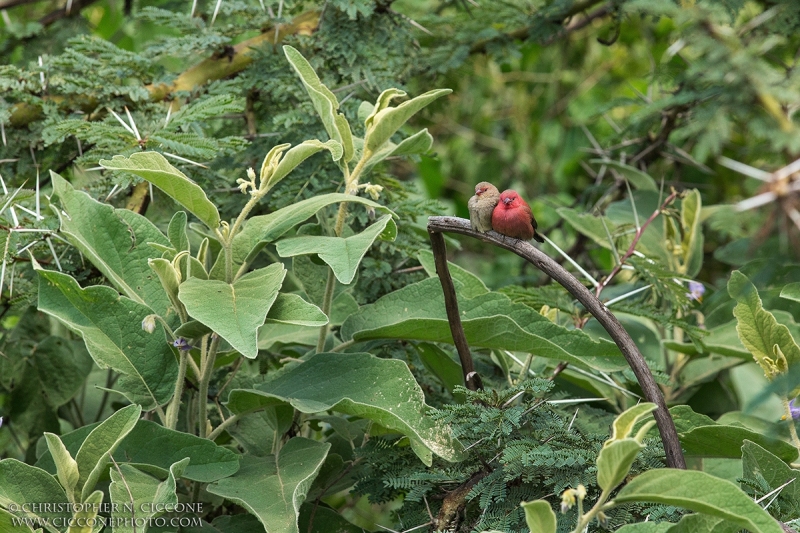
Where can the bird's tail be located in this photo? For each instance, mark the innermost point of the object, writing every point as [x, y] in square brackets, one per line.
[538, 236]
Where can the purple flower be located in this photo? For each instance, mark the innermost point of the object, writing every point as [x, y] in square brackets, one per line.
[794, 410]
[696, 291]
[182, 344]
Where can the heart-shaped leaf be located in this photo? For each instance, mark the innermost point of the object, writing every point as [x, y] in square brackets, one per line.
[343, 255]
[234, 311]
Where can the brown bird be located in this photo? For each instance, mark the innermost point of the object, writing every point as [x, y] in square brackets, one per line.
[481, 206]
[513, 217]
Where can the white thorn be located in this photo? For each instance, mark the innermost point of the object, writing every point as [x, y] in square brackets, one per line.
[179, 158]
[133, 125]
[627, 295]
[756, 201]
[216, 10]
[113, 191]
[38, 207]
[53, 251]
[742, 168]
[119, 119]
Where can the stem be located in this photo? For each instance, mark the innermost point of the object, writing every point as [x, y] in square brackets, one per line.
[227, 240]
[207, 369]
[175, 404]
[342, 346]
[230, 421]
[585, 519]
[327, 303]
[166, 326]
[109, 383]
[350, 182]
[236, 366]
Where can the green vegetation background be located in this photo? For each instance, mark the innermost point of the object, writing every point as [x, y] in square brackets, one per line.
[548, 96]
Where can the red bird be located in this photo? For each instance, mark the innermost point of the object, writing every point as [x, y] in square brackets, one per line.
[513, 217]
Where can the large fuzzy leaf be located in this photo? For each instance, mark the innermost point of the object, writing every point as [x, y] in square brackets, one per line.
[360, 384]
[490, 320]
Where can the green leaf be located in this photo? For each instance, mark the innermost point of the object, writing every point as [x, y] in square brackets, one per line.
[419, 143]
[115, 241]
[177, 231]
[686, 419]
[646, 527]
[702, 436]
[260, 230]
[722, 339]
[297, 155]
[170, 280]
[24, 484]
[701, 523]
[258, 433]
[66, 466]
[491, 320]
[726, 441]
[759, 462]
[383, 101]
[621, 224]
[93, 456]
[771, 343]
[138, 496]
[234, 311]
[324, 101]
[439, 363]
[273, 333]
[192, 329]
[111, 327]
[624, 423]
[273, 488]
[343, 255]
[62, 366]
[692, 241]
[86, 515]
[155, 168]
[326, 520]
[704, 369]
[636, 177]
[791, 291]
[154, 448]
[152, 444]
[10, 524]
[699, 492]
[386, 121]
[292, 309]
[467, 284]
[359, 384]
[539, 516]
[589, 225]
[614, 461]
